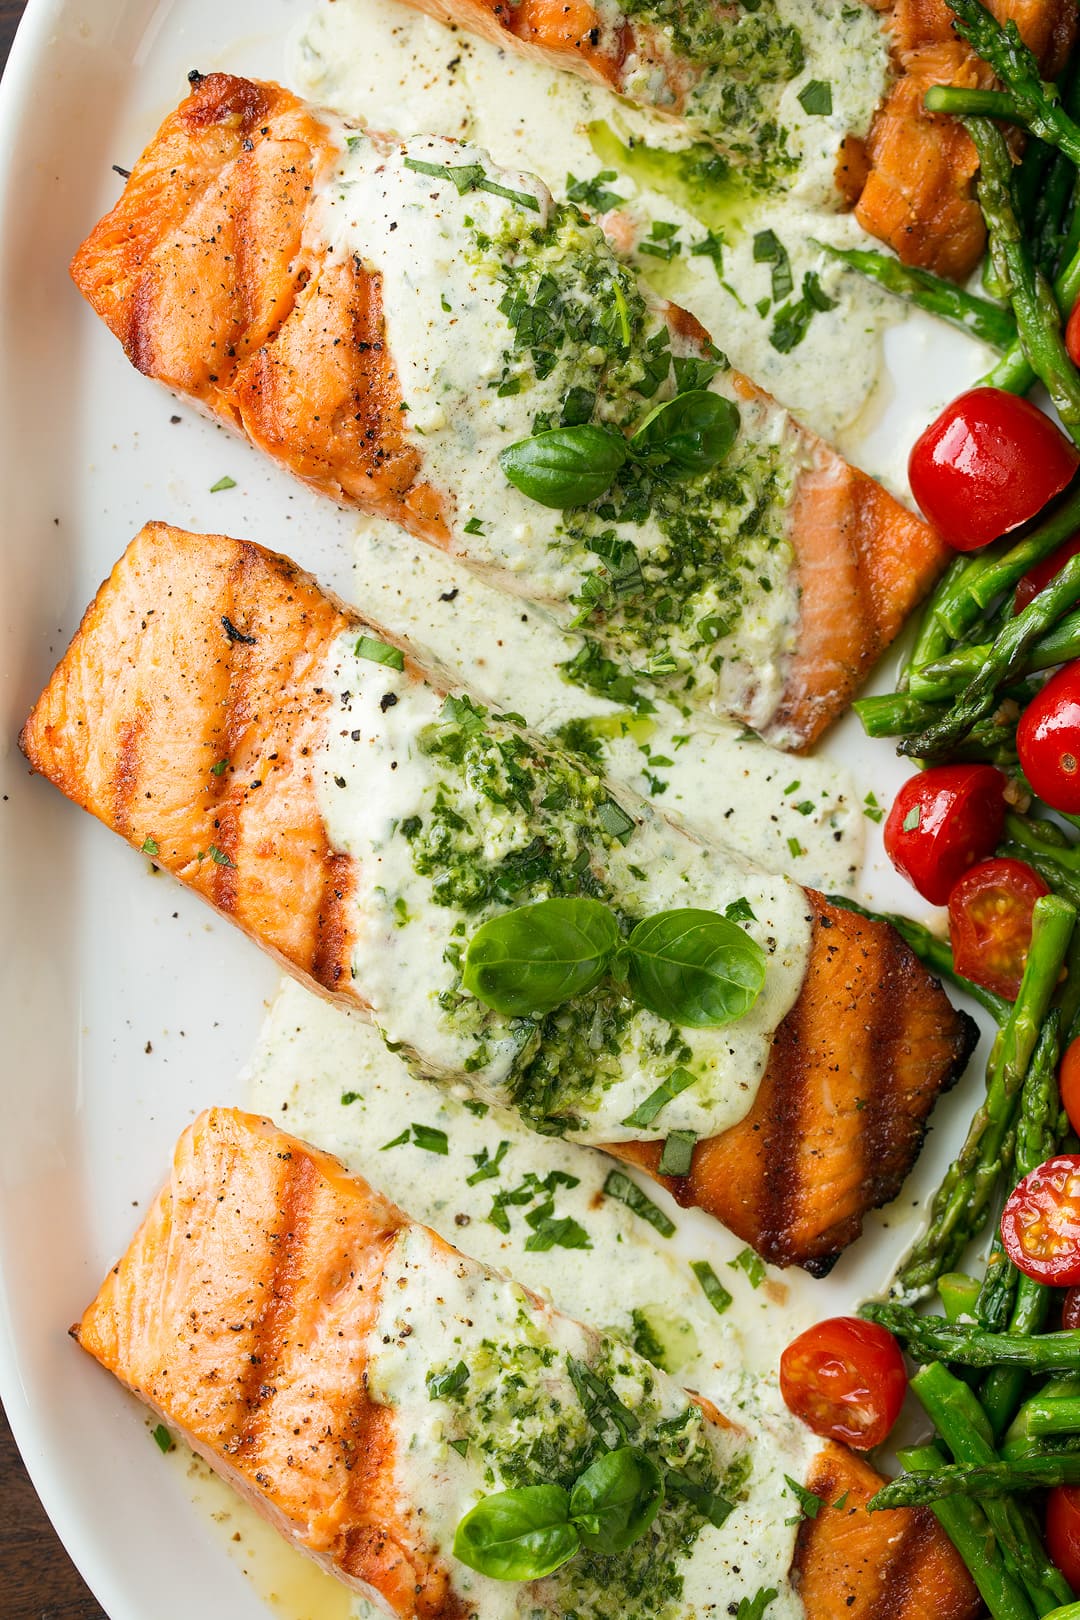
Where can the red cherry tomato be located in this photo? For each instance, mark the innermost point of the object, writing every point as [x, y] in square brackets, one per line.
[1063, 1531]
[1048, 740]
[1072, 343]
[990, 462]
[942, 821]
[1038, 578]
[990, 923]
[1069, 1082]
[845, 1378]
[1040, 1224]
[1070, 1316]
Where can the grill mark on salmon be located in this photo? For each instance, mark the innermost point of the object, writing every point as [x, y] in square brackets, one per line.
[165, 1323]
[794, 1178]
[890, 1566]
[288, 347]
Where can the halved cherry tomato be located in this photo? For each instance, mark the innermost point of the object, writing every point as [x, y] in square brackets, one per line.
[845, 1378]
[1069, 1083]
[990, 923]
[1048, 740]
[1070, 1318]
[1040, 1224]
[1072, 343]
[1063, 1531]
[1038, 578]
[990, 462]
[941, 822]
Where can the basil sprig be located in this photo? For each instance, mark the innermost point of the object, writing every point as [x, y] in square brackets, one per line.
[571, 466]
[525, 1534]
[690, 966]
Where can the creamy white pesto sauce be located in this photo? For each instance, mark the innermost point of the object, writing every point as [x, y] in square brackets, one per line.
[312, 1055]
[373, 772]
[800, 817]
[400, 70]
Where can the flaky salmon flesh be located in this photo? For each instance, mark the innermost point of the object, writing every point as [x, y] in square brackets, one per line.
[192, 713]
[216, 272]
[293, 1325]
[909, 177]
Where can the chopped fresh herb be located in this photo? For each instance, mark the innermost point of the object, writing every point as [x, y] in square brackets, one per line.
[220, 768]
[551, 1232]
[379, 652]
[615, 821]
[912, 819]
[806, 807]
[150, 846]
[475, 1106]
[841, 1502]
[471, 177]
[677, 1081]
[809, 1504]
[816, 97]
[223, 483]
[348, 1097]
[792, 787]
[750, 1263]
[460, 1446]
[754, 1608]
[661, 241]
[795, 849]
[162, 1438]
[768, 249]
[487, 1165]
[711, 246]
[474, 526]
[793, 321]
[629, 1193]
[219, 857]
[445, 1383]
[871, 809]
[431, 1139]
[740, 911]
[714, 1290]
[397, 1142]
[678, 1153]
[594, 193]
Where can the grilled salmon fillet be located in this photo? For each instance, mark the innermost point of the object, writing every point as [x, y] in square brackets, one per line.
[910, 177]
[919, 166]
[293, 1335]
[215, 272]
[189, 714]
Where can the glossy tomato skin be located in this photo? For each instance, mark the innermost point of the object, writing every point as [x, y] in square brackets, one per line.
[1048, 741]
[942, 821]
[990, 462]
[1040, 1224]
[1063, 1531]
[990, 923]
[1038, 578]
[845, 1378]
[1072, 343]
[1069, 1083]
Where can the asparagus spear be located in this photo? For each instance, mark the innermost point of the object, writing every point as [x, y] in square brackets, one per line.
[959, 1294]
[962, 1423]
[967, 1527]
[1038, 318]
[933, 640]
[934, 681]
[1004, 663]
[1012, 372]
[1034, 103]
[934, 952]
[993, 1479]
[960, 1206]
[978, 316]
[933, 1338]
[1022, 1440]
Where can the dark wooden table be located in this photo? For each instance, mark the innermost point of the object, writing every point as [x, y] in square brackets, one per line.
[38, 1581]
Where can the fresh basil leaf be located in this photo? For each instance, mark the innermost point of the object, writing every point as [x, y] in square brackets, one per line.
[754, 1608]
[519, 1535]
[678, 1154]
[380, 652]
[567, 466]
[694, 967]
[816, 97]
[616, 1499]
[751, 1265]
[445, 1383]
[530, 960]
[714, 1290]
[710, 1504]
[629, 1193]
[692, 432]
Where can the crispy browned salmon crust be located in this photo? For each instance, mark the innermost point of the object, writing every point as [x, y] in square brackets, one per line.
[200, 649]
[205, 274]
[248, 1337]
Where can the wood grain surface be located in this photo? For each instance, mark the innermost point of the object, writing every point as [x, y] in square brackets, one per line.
[38, 1581]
